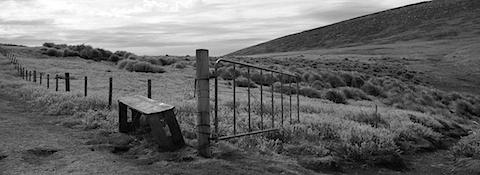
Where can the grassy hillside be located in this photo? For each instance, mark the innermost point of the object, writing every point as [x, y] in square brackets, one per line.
[348, 119]
[436, 42]
[427, 21]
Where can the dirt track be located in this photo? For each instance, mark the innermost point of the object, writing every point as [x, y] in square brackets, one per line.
[33, 144]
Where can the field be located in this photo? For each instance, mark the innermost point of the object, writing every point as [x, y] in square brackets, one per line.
[380, 125]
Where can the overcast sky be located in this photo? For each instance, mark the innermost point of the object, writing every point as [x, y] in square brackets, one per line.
[175, 27]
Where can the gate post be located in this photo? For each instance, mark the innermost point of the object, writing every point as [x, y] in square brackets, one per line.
[203, 104]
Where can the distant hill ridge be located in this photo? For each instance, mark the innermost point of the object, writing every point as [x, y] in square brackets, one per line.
[432, 20]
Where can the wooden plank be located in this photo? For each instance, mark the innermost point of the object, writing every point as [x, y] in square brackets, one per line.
[145, 105]
[157, 124]
[135, 119]
[122, 118]
[174, 129]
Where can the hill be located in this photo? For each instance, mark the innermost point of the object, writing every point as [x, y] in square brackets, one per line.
[426, 21]
[436, 40]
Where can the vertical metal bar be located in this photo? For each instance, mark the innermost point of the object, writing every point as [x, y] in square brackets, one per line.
[56, 82]
[110, 92]
[234, 102]
[149, 89]
[249, 109]
[216, 99]
[48, 81]
[261, 98]
[281, 96]
[67, 82]
[290, 94]
[298, 100]
[273, 108]
[41, 78]
[85, 85]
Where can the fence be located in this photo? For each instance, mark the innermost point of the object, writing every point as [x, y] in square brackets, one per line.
[31, 76]
[204, 135]
[249, 95]
[203, 104]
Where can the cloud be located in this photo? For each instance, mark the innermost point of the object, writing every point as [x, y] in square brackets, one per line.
[172, 26]
[35, 22]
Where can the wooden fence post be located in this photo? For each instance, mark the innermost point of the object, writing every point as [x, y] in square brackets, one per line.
[85, 86]
[41, 78]
[34, 76]
[203, 104]
[48, 81]
[56, 82]
[110, 92]
[67, 82]
[149, 89]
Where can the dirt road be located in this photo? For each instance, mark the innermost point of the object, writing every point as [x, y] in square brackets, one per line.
[31, 143]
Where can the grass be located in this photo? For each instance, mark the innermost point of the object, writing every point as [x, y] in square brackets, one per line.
[468, 146]
[353, 132]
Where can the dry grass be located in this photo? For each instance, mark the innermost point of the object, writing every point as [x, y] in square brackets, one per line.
[355, 132]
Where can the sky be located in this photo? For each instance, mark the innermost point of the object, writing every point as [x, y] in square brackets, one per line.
[174, 27]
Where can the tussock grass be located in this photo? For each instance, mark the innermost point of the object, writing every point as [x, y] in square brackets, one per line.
[468, 146]
[335, 96]
[349, 132]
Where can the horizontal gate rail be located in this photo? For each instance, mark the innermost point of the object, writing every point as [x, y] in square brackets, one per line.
[216, 136]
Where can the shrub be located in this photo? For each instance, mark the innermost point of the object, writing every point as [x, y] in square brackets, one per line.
[70, 53]
[371, 145]
[167, 61]
[373, 90]
[244, 82]
[89, 53]
[133, 57]
[347, 78]
[354, 93]
[305, 76]
[114, 58]
[53, 52]
[309, 92]
[373, 119]
[49, 44]
[96, 55]
[314, 77]
[229, 73]
[285, 89]
[464, 107]
[335, 96]
[154, 61]
[60, 46]
[180, 66]
[317, 84]
[105, 53]
[357, 82]
[142, 66]
[335, 81]
[123, 63]
[264, 79]
[468, 146]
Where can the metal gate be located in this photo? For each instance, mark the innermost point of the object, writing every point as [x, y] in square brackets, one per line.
[263, 126]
